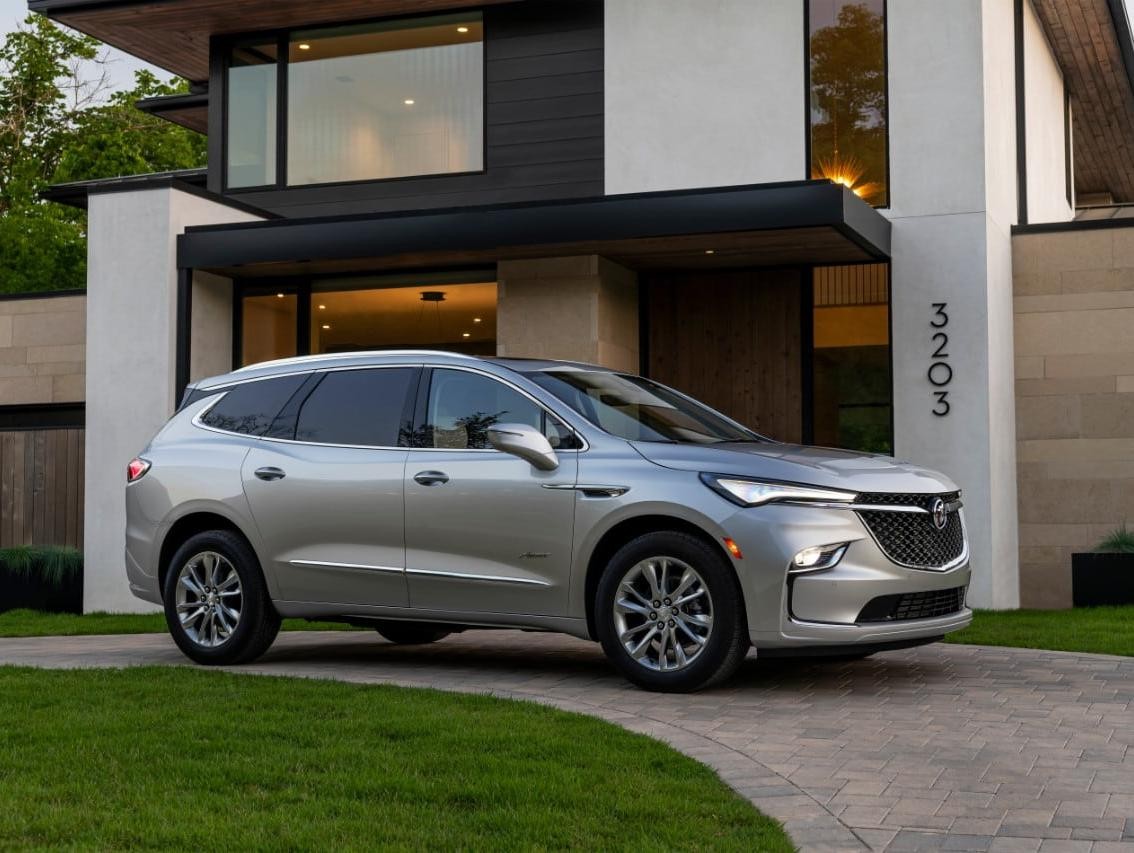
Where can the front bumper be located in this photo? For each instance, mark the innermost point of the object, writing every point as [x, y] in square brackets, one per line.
[823, 608]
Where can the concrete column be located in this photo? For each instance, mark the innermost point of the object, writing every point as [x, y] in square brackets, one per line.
[582, 308]
[131, 342]
[210, 339]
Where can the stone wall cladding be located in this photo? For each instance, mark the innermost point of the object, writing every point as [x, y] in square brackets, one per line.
[1074, 341]
[43, 349]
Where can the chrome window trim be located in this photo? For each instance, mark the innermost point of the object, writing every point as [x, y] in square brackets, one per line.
[334, 565]
[475, 577]
[223, 389]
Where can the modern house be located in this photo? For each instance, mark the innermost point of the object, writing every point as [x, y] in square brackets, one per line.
[888, 225]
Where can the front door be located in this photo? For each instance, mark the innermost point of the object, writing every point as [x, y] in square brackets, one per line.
[486, 532]
[329, 501]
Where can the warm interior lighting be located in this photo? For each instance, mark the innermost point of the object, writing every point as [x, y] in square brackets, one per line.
[733, 548]
[710, 251]
[326, 325]
[322, 307]
[848, 171]
[279, 296]
[409, 102]
[304, 46]
[464, 334]
[462, 29]
[476, 319]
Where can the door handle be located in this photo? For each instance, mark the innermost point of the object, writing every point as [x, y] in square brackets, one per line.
[270, 473]
[431, 478]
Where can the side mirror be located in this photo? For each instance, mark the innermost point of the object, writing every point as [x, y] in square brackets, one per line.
[526, 442]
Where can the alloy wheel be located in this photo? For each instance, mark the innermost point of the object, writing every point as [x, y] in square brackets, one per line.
[663, 613]
[209, 599]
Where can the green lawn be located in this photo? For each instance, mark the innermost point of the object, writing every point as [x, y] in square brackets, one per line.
[173, 758]
[32, 623]
[1100, 630]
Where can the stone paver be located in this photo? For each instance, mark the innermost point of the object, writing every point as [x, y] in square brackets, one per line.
[960, 748]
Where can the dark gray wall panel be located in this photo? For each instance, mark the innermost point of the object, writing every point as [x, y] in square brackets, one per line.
[544, 122]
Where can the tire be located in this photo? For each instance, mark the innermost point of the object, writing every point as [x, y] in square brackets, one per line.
[725, 640]
[224, 570]
[411, 633]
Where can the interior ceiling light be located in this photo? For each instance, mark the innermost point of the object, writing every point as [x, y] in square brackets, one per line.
[476, 319]
[464, 334]
[322, 307]
[710, 251]
[433, 296]
[279, 296]
[409, 102]
[462, 29]
[304, 46]
[326, 325]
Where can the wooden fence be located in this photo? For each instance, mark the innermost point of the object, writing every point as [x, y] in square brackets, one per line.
[41, 487]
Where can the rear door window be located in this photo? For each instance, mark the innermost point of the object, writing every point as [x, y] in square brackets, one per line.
[367, 408]
[250, 407]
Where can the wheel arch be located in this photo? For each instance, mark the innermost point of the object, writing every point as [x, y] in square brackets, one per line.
[189, 525]
[631, 528]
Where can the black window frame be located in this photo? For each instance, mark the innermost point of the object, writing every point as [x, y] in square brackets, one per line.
[222, 48]
[421, 407]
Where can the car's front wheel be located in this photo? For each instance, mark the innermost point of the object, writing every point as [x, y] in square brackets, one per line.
[669, 613]
[216, 603]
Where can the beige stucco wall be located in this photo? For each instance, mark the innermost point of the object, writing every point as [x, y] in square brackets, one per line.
[42, 349]
[582, 308]
[1074, 332]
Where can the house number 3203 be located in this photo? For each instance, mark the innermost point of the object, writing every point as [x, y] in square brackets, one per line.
[940, 373]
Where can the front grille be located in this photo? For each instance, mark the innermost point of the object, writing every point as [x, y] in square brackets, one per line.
[911, 539]
[914, 605]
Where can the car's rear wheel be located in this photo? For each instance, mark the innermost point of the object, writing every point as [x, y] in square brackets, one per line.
[412, 633]
[669, 613]
[216, 603]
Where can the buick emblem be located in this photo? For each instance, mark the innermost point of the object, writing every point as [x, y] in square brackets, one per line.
[940, 516]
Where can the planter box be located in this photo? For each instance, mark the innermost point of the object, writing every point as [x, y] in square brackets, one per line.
[18, 593]
[1099, 580]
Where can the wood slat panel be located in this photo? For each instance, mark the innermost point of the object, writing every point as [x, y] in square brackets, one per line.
[41, 487]
[731, 339]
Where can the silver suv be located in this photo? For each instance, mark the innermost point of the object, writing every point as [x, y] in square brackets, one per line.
[422, 493]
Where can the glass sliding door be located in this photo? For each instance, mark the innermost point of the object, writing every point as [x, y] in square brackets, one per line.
[851, 394]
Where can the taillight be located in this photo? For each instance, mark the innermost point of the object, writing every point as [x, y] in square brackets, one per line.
[137, 469]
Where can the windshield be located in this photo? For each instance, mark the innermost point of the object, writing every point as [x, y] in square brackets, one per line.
[637, 409]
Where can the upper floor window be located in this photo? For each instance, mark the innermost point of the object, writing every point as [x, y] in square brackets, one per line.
[847, 67]
[364, 102]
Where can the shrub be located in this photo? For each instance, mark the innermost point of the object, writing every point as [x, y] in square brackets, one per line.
[1118, 541]
[56, 566]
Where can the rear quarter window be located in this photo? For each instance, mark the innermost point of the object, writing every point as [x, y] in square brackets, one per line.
[250, 408]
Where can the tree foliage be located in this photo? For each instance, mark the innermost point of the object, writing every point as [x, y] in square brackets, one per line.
[59, 123]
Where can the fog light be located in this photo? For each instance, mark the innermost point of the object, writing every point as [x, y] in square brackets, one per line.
[818, 557]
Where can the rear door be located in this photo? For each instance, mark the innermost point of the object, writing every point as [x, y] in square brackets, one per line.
[326, 489]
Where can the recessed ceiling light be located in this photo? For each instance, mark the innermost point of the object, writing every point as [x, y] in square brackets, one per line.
[464, 334]
[462, 29]
[322, 307]
[326, 325]
[710, 251]
[304, 46]
[476, 319]
[409, 102]
[279, 296]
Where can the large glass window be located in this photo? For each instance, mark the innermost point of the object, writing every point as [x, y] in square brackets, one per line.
[362, 314]
[364, 102]
[847, 46]
[251, 140]
[268, 325]
[851, 382]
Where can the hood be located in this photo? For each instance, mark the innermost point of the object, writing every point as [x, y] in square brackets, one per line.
[795, 463]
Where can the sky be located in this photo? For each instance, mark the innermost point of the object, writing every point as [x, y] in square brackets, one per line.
[121, 67]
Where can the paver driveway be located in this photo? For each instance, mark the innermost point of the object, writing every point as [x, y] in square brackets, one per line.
[943, 747]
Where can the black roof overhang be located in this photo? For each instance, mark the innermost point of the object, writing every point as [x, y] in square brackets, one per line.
[598, 225]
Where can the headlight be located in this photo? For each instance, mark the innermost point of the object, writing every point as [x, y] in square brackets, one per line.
[757, 492]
